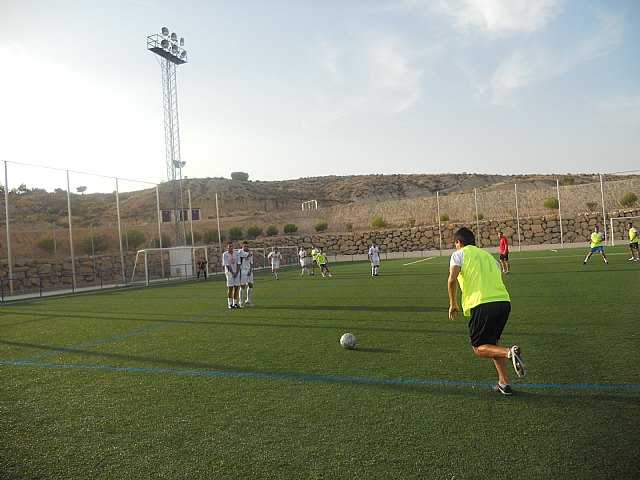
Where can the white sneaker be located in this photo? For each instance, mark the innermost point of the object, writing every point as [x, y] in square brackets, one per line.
[632, 259]
[515, 353]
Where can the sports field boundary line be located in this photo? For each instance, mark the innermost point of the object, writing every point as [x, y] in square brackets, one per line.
[315, 378]
[418, 261]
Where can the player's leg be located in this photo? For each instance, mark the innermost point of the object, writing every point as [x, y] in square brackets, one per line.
[604, 256]
[249, 293]
[241, 294]
[230, 295]
[588, 257]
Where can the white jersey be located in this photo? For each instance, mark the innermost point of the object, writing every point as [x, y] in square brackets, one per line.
[230, 261]
[246, 261]
[374, 255]
[275, 258]
[302, 254]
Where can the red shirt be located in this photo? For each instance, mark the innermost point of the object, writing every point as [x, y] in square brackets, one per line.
[504, 245]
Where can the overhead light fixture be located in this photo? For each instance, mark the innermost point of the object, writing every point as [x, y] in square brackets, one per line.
[174, 37]
[165, 43]
[165, 32]
[182, 42]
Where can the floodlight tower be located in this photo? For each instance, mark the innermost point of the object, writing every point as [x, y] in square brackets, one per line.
[172, 53]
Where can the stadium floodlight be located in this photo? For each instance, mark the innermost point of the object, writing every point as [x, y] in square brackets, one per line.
[171, 54]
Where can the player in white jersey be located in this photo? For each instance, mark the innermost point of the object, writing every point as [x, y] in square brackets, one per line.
[246, 273]
[275, 257]
[231, 265]
[302, 255]
[374, 258]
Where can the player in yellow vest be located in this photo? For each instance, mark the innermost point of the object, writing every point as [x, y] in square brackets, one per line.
[597, 245]
[486, 300]
[314, 259]
[633, 242]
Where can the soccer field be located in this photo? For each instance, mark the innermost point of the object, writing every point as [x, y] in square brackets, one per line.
[166, 382]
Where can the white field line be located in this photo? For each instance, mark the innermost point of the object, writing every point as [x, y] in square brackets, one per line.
[418, 261]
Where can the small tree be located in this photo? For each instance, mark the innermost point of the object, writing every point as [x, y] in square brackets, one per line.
[235, 233]
[197, 237]
[591, 206]
[479, 216]
[289, 228]
[94, 242]
[240, 176]
[321, 226]
[133, 238]
[47, 243]
[551, 202]
[379, 222]
[166, 241]
[81, 189]
[272, 231]
[411, 222]
[629, 199]
[444, 217]
[254, 231]
[211, 236]
[349, 226]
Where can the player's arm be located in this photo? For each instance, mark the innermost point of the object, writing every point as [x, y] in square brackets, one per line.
[452, 287]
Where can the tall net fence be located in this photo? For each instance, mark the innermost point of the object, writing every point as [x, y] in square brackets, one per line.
[66, 230]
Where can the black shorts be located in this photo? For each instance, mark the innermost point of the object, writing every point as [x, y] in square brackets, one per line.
[487, 322]
[504, 256]
[633, 246]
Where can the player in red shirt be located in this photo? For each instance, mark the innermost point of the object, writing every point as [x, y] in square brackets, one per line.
[504, 254]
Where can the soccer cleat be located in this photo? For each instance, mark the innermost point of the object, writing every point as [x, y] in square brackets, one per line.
[515, 353]
[632, 259]
[584, 263]
[230, 307]
[330, 275]
[503, 389]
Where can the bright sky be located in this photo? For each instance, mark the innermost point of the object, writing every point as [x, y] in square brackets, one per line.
[284, 89]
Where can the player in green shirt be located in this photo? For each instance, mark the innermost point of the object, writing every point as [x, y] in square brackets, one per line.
[486, 301]
[633, 242]
[314, 259]
[322, 262]
[597, 245]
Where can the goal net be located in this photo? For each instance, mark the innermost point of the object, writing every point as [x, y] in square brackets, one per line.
[162, 263]
[618, 228]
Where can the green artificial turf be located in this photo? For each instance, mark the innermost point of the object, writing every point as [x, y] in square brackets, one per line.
[166, 382]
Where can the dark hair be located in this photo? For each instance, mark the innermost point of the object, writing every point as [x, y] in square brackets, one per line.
[465, 236]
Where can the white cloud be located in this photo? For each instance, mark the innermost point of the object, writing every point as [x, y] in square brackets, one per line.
[378, 74]
[493, 18]
[533, 64]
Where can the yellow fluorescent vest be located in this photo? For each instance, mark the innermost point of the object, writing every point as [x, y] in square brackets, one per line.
[596, 239]
[480, 279]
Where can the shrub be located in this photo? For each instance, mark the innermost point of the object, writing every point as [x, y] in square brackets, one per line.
[47, 243]
[568, 181]
[551, 202]
[241, 176]
[591, 206]
[254, 231]
[94, 242]
[166, 241]
[349, 226]
[321, 226]
[272, 231]
[379, 222]
[289, 228]
[411, 222]
[479, 216]
[133, 239]
[211, 236]
[444, 217]
[197, 237]
[629, 199]
[235, 233]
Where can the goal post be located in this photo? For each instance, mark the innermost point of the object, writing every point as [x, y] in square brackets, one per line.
[615, 223]
[174, 262]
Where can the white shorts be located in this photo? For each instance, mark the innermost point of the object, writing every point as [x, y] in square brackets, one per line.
[231, 280]
[275, 266]
[303, 263]
[246, 277]
[375, 262]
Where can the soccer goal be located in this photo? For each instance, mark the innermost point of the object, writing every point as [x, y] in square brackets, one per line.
[618, 226]
[160, 263]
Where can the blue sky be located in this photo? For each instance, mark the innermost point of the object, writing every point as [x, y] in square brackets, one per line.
[284, 89]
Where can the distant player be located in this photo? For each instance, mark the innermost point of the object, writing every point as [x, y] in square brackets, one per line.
[201, 267]
[504, 254]
[322, 262]
[246, 273]
[314, 259]
[231, 265]
[275, 257]
[302, 256]
[486, 301]
[374, 258]
[633, 242]
[597, 245]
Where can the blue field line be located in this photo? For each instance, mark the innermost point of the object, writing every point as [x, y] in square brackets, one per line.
[149, 329]
[317, 378]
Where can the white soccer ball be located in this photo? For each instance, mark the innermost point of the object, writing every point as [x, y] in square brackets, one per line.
[348, 341]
